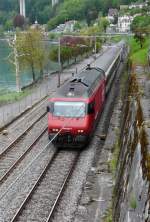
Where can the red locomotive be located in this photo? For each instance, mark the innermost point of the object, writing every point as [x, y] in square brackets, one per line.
[74, 110]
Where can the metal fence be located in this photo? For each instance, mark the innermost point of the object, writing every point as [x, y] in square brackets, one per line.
[10, 111]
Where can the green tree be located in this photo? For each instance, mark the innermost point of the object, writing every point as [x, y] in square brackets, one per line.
[8, 25]
[31, 50]
[65, 55]
[141, 27]
[103, 23]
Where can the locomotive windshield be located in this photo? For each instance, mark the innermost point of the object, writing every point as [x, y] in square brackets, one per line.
[69, 109]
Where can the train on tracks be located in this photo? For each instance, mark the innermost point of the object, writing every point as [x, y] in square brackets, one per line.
[75, 108]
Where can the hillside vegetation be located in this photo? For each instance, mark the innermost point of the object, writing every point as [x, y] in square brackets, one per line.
[138, 55]
[42, 10]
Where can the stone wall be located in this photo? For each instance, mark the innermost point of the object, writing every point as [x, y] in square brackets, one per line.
[132, 190]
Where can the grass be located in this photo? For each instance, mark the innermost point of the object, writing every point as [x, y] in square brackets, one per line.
[8, 96]
[116, 38]
[108, 216]
[138, 55]
[113, 162]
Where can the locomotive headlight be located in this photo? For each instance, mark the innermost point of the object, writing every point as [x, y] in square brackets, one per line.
[55, 130]
[80, 131]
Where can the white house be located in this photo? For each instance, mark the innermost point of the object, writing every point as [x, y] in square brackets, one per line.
[65, 27]
[124, 23]
[69, 26]
[138, 5]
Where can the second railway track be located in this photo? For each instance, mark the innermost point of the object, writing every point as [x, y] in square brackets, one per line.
[9, 163]
[17, 130]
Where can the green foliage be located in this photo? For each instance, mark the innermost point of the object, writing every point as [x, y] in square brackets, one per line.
[116, 38]
[31, 50]
[98, 46]
[103, 23]
[72, 47]
[52, 36]
[8, 96]
[79, 25]
[65, 53]
[8, 25]
[114, 160]
[138, 55]
[82, 10]
[141, 24]
[108, 217]
[135, 11]
[141, 27]
[92, 30]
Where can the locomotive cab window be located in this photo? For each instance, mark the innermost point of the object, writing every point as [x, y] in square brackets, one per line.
[69, 109]
[91, 108]
[50, 107]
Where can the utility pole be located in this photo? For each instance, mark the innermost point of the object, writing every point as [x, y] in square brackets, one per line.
[95, 47]
[59, 61]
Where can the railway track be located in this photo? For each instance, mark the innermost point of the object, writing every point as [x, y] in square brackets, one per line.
[19, 128]
[9, 163]
[44, 195]
[42, 191]
[20, 136]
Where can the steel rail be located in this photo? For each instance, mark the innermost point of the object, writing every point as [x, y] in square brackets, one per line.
[28, 197]
[62, 188]
[34, 187]
[21, 157]
[30, 164]
[20, 136]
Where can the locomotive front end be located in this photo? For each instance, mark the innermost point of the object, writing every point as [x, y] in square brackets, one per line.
[68, 123]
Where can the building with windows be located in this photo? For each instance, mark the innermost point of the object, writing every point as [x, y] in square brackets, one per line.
[112, 14]
[66, 27]
[124, 23]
